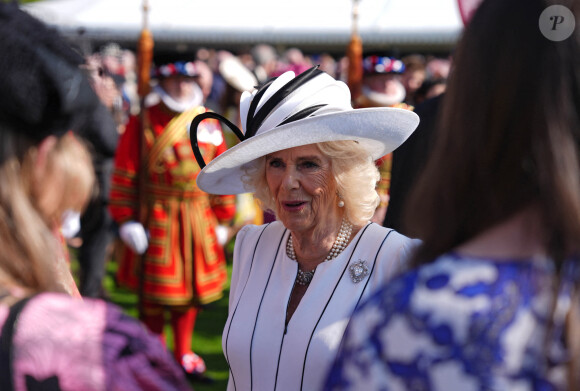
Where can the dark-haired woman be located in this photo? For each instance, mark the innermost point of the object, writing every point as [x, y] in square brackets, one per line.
[492, 303]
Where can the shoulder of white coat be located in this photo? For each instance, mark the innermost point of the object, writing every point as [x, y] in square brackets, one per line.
[251, 233]
[399, 244]
[243, 234]
[245, 246]
[406, 244]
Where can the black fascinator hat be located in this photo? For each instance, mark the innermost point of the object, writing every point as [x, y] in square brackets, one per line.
[44, 90]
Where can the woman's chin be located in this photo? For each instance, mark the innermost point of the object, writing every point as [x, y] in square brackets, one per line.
[295, 223]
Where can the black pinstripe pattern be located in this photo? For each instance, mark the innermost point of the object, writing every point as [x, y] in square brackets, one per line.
[238, 303]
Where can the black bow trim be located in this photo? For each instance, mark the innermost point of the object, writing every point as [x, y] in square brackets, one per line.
[254, 104]
[302, 114]
[254, 122]
[193, 133]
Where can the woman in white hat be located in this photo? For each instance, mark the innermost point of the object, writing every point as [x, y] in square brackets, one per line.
[309, 158]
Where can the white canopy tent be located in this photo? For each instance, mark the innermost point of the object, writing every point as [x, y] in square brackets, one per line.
[403, 25]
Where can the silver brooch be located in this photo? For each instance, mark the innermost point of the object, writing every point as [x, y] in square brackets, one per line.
[358, 271]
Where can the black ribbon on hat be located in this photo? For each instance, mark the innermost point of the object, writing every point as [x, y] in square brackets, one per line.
[193, 133]
[254, 122]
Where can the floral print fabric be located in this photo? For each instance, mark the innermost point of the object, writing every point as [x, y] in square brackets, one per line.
[459, 324]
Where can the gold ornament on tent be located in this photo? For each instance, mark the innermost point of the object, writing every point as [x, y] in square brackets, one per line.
[354, 53]
[144, 59]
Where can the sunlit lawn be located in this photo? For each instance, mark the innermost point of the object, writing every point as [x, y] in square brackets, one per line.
[208, 327]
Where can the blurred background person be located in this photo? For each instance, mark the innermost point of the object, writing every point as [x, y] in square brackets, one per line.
[213, 59]
[49, 339]
[492, 301]
[326, 63]
[430, 89]
[266, 60]
[409, 161]
[112, 64]
[239, 79]
[382, 87]
[413, 76]
[205, 82]
[131, 105]
[173, 255]
[292, 59]
[438, 68]
[96, 225]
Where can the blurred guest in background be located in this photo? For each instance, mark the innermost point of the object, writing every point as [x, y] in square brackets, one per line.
[293, 59]
[382, 87]
[382, 83]
[430, 89]
[413, 76]
[239, 79]
[205, 82]
[438, 68]
[49, 340]
[266, 60]
[326, 62]
[409, 161]
[96, 229]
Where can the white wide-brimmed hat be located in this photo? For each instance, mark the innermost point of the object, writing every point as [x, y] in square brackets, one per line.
[291, 111]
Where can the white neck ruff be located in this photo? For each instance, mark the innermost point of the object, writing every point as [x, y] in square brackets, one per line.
[196, 99]
[381, 99]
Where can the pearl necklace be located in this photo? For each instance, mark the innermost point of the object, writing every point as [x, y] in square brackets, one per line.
[340, 243]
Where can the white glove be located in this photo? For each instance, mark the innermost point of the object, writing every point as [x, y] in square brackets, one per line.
[71, 223]
[222, 233]
[134, 236]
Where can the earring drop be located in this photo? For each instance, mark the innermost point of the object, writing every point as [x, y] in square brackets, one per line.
[340, 203]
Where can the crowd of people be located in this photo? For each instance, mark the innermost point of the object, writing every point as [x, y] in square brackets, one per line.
[421, 234]
[414, 77]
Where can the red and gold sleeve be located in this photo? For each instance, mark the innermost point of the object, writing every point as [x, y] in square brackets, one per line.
[224, 206]
[123, 203]
[384, 184]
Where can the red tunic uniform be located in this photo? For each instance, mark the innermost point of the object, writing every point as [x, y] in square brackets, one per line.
[183, 264]
[384, 164]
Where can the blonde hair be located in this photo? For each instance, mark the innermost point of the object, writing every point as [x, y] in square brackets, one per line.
[29, 248]
[72, 161]
[353, 169]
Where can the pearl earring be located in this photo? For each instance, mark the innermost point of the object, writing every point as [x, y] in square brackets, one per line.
[340, 202]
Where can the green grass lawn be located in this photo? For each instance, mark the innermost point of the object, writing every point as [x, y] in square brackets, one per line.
[208, 328]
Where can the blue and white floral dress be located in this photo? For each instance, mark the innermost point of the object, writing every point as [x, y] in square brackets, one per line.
[459, 323]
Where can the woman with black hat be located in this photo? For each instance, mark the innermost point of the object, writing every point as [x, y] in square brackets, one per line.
[50, 340]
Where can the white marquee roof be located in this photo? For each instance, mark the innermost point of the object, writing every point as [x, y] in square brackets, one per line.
[382, 23]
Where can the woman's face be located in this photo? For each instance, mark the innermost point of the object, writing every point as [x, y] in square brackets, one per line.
[301, 181]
